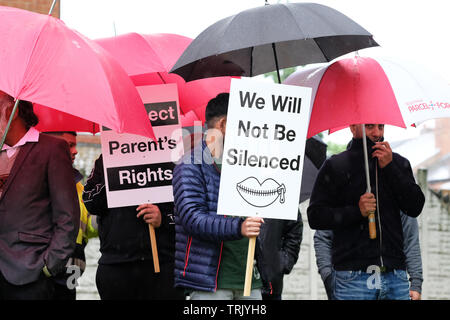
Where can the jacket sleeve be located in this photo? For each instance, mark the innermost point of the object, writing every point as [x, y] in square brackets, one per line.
[94, 193]
[323, 241]
[411, 248]
[400, 177]
[65, 208]
[192, 212]
[166, 209]
[324, 210]
[292, 240]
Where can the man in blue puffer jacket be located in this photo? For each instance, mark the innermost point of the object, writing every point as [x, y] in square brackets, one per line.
[206, 243]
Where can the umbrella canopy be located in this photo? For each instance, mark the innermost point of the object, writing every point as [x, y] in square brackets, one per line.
[372, 90]
[54, 120]
[271, 37]
[148, 58]
[49, 64]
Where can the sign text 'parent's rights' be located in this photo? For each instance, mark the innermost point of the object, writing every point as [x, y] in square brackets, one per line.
[138, 169]
[264, 147]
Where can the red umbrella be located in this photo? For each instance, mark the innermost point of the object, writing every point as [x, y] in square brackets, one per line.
[47, 63]
[372, 90]
[363, 90]
[148, 58]
[53, 120]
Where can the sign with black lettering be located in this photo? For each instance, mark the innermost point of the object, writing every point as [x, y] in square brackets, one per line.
[265, 140]
[138, 169]
[162, 113]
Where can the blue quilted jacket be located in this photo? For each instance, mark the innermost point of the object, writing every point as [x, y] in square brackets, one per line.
[200, 232]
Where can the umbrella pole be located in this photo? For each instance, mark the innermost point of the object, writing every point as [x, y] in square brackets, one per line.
[371, 217]
[16, 105]
[276, 62]
[52, 7]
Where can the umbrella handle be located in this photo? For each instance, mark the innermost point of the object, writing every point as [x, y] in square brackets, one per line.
[371, 217]
[372, 226]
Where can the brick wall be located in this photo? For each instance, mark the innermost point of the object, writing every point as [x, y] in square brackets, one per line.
[40, 6]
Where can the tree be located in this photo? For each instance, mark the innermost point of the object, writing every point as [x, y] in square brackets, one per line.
[284, 73]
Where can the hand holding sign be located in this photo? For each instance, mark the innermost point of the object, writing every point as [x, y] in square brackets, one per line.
[150, 213]
[251, 226]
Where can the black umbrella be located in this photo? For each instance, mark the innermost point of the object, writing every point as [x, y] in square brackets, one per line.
[269, 38]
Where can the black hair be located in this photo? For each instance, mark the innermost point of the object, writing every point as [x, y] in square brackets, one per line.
[60, 133]
[216, 107]
[25, 112]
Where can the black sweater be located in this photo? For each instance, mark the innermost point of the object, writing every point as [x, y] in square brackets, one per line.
[123, 236]
[334, 205]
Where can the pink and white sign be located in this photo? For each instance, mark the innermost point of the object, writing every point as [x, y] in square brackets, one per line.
[138, 169]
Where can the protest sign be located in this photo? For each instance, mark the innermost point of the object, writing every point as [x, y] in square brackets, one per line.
[264, 148]
[137, 169]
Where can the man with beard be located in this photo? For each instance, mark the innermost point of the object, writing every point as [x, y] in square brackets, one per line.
[366, 268]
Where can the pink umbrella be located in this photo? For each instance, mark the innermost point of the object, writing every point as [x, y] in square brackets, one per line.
[148, 58]
[47, 63]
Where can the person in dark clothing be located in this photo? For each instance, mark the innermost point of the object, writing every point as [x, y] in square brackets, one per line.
[277, 249]
[39, 209]
[65, 283]
[372, 268]
[125, 268]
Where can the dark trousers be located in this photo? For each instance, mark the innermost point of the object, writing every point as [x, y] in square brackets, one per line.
[137, 281]
[62, 292]
[41, 289]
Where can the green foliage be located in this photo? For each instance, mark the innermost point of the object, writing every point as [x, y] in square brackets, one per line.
[284, 73]
[335, 148]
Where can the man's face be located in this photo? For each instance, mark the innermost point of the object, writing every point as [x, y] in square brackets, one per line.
[72, 141]
[5, 107]
[374, 132]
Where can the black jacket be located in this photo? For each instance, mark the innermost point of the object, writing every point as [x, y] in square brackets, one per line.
[334, 205]
[277, 250]
[123, 236]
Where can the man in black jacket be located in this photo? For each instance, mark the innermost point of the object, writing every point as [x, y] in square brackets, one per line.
[277, 252]
[125, 268]
[366, 268]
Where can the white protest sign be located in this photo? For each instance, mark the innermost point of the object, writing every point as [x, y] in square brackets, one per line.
[137, 169]
[264, 147]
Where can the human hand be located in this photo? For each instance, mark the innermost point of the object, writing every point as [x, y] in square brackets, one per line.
[367, 204]
[251, 226]
[150, 213]
[383, 152]
[414, 295]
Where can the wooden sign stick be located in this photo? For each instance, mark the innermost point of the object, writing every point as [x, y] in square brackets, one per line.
[154, 248]
[249, 270]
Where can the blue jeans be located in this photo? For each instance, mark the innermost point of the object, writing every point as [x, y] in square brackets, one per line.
[359, 285]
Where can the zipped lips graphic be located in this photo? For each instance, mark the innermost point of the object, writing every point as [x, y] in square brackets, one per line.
[261, 194]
